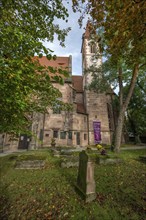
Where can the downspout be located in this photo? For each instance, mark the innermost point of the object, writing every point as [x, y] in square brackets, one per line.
[88, 128]
[113, 119]
[44, 118]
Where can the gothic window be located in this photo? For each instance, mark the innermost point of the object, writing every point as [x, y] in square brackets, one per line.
[70, 135]
[41, 134]
[92, 48]
[74, 95]
[85, 136]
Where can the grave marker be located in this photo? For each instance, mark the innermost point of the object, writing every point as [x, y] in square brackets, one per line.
[85, 180]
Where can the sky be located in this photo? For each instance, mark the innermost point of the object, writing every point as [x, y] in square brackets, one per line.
[73, 42]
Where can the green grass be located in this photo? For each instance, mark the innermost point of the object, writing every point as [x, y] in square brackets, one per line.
[49, 194]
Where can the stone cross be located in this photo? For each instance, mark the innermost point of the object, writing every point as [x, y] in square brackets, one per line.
[85, 180]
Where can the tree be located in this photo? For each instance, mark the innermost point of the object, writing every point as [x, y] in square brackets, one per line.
[123, 43]
[135, 114]
[25, 85]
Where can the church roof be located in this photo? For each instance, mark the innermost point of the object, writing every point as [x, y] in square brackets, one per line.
[77, 82]
[58, 62]
[88, 30]
[64, 63]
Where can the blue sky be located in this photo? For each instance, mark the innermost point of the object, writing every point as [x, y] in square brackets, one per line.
[73, 42]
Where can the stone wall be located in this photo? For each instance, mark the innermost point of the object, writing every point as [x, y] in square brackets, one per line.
[79, 97]
[96, 107]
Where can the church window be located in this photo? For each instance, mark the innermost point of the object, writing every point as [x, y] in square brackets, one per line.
[41, 135]
[70, 135]
[92, 48]
[74, 95]
[62, 135]
[57, 109]
[55, 134]
[85, 136]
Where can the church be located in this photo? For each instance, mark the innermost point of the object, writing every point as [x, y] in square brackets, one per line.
[90, 121]
[90, 109]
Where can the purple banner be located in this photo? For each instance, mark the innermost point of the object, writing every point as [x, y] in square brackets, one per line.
[97, 131]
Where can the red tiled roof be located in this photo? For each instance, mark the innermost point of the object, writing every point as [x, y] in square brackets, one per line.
[63, 63]
[81, 108]
[77, 82]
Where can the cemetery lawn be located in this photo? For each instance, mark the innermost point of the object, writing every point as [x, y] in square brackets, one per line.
[49, 193]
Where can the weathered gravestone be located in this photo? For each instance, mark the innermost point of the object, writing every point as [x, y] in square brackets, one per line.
[85, 180]
[30, 164]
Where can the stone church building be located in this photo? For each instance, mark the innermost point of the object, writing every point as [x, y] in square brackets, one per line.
[74, 128]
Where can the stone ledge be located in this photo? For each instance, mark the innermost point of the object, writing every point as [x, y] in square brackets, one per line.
[109, 160]
[69, 164]
[30, 164]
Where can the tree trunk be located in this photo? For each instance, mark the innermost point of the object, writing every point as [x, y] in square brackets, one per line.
[118, 132]
[120, 87]
[119, 128]
[137, 139]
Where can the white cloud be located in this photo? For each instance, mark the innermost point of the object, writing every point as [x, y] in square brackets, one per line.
[73, 42]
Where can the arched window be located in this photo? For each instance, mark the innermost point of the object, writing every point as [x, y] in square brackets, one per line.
[92, 48]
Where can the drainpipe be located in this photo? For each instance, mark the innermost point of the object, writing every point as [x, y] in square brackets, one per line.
[44, 118]
[88, 128]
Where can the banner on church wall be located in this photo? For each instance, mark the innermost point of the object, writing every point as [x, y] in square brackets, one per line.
[97, 131]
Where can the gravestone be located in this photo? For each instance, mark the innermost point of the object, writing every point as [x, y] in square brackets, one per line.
[30, 164]
[85, 180]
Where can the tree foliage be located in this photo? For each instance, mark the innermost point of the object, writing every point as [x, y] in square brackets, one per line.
[25, 85]
[136, 111]
[123, 24]
[123, 42]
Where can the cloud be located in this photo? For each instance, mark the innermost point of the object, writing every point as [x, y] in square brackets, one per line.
[73, 41]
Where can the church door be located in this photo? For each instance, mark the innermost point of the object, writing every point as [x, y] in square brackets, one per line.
[24, 141]
[78, 138]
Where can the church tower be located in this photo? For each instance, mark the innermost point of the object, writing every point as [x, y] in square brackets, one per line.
[98, 105]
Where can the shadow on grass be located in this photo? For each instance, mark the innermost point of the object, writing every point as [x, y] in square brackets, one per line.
[141, 161]
[4, 203]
